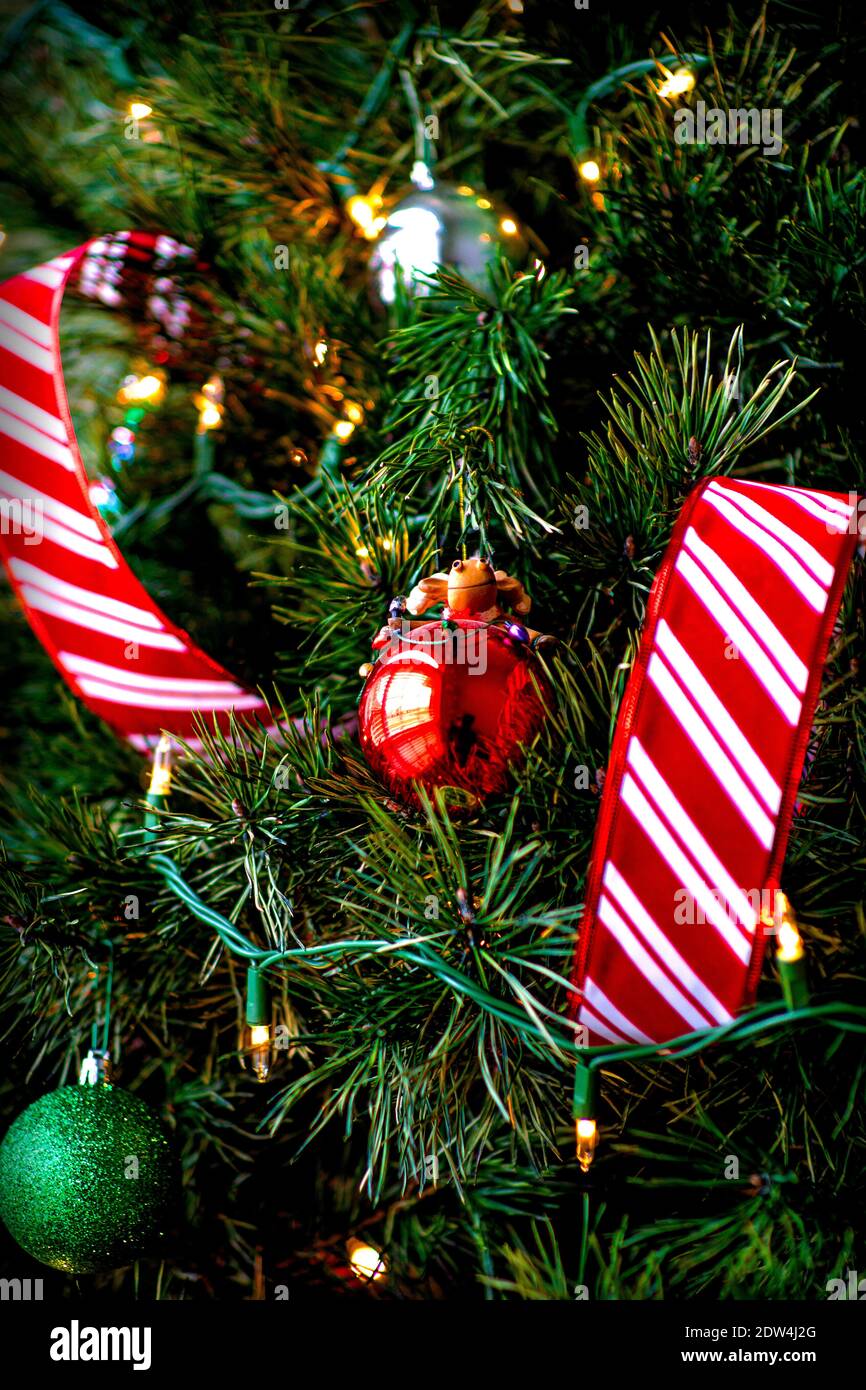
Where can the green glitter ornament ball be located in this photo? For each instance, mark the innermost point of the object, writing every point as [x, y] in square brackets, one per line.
[87, 1179]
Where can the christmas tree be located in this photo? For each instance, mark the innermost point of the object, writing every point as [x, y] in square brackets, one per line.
[502, 281]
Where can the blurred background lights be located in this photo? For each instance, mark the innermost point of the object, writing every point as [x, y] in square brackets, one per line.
[364, 213]
[141, 388]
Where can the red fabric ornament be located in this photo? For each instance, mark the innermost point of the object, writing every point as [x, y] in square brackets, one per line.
[448, 705]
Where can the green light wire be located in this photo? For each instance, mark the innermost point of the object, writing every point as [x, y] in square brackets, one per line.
[760, 1021]
[376, 96]
[578, 125]
[106, 1018]
[576, 120]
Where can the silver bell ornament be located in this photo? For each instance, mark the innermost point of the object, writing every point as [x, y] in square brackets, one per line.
[442, 224]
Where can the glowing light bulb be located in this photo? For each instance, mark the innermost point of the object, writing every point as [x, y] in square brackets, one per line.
[790, 952]
[465, 190]
[260, 1050]
[137, 389]
[320, 352]
[101, 494]
[209, 402]
[789, 942]
[508, 226]
[354, 412]
[344, 429]
[586, 1132]
[679, 82]
[160, 772]
[366, 1262]
[589, 171]
[362, 552]
[781, 906]
[139, 110]
[360, 210]
[483, 203]
[363, 212]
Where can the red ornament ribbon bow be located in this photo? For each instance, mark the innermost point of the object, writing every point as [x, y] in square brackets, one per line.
[707, 756]
[111, 643]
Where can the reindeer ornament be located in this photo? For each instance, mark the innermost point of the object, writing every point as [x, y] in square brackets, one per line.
[451, 701]
[469, 589]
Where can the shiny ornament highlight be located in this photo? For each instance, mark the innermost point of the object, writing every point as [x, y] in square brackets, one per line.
[443, 226]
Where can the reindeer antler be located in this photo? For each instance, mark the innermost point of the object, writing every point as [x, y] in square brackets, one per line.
[427, 592]
[512, 592]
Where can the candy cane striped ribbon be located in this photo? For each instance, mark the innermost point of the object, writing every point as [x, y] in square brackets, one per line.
[707, 756]
[110, 641]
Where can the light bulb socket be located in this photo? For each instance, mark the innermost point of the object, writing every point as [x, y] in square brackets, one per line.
[586, 1092]
[258, 1011]
[795, 986]
[156, 803]
[160, 776]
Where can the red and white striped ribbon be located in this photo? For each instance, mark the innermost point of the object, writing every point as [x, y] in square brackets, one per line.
[707, 756]
[112, 644]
